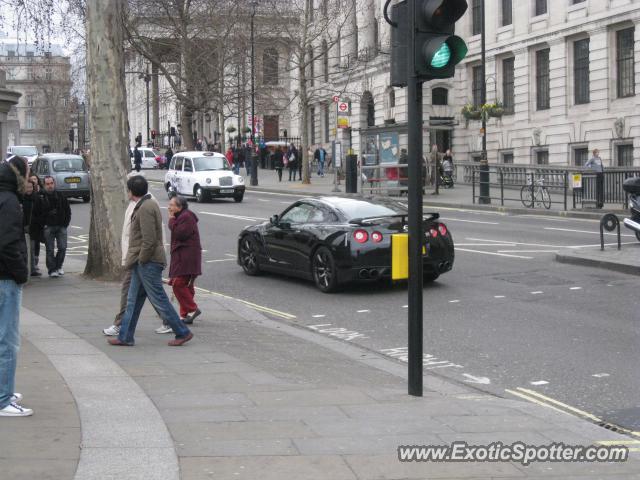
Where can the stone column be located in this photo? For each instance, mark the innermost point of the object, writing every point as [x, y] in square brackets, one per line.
[8, 99]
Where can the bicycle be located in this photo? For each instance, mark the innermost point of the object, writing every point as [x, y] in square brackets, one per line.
[535, 195]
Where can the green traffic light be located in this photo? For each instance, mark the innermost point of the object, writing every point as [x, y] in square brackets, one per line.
[442, 57]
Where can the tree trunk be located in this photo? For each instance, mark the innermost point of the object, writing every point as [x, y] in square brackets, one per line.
[109, 142]
[304, 107]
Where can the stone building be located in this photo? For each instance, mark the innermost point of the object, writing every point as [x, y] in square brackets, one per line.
[43, 117]
[566, 72]
[8, 100]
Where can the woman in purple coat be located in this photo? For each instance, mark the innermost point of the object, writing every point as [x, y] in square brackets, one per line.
[186, 257]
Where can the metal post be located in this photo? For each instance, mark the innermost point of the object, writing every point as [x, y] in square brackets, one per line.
[485, 196]
[336, 188]
[147, 79]
[254, 157]
[566, 188]
[416, 234]
[501, 188]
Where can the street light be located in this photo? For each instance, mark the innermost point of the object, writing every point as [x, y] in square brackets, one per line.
[254, 157]
[147, 79]
[485, 195]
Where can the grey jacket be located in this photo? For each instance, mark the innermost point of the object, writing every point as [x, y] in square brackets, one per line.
[595, 164]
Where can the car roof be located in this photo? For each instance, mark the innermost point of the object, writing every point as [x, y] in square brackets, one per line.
[199, 154]
[60, 156]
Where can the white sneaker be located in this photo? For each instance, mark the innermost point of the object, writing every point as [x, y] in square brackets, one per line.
[60, 271]
[164, 329]
[15, 410]
[54, 274]
[16, 397]
[112, 331]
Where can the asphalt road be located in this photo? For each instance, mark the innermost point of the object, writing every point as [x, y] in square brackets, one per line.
[508, 319]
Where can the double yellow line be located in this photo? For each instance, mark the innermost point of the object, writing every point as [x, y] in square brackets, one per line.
[545, 401]
[253, 306]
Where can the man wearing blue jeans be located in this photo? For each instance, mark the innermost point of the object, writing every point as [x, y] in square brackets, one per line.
[13, 274]
[146, 260]
[57, 216]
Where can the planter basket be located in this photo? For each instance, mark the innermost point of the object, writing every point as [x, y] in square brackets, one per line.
[496, 112]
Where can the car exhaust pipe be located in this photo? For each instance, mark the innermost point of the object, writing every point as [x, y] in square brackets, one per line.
[633, 225]
[364, 273]
[374, 274]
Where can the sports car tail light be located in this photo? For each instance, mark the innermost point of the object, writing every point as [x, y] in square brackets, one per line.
[442, 229]
[376, 237]
[361, 236]
[433, 232]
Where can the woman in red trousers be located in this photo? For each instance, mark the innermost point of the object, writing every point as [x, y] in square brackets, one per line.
[186, 257]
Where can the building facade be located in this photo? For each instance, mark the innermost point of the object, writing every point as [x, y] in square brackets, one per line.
[44, 115]
[566, 73]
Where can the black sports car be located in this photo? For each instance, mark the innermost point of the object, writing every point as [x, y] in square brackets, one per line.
[335, 240]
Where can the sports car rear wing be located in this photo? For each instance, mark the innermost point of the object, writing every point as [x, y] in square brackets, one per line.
[428, 217]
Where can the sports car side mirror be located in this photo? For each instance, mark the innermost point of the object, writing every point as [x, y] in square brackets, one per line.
[274, 220]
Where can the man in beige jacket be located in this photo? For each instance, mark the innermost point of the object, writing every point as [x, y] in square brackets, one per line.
[146, 259]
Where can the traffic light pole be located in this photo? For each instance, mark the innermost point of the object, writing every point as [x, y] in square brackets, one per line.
[485, 195]
[416, 233]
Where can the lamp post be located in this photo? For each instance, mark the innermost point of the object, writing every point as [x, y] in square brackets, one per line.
[485, 195]
[147, 79]
[254, 157]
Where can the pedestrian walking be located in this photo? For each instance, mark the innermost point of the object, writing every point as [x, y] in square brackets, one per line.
[278, 162]
[595, 165]
[137, 158]
[14, 273]
[57, 216]
[168, 155]
[300, 161]
[320, 156]
[292, 161]
[186, 257]
[447, 169]
[34, 222]
[146, 260]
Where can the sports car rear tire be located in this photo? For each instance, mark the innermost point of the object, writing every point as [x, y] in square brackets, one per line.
[430, 277]
[323, 267]
[249, 256]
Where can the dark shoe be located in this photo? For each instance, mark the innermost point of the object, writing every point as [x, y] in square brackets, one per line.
[180, 341]
[35, 273]
[192, 316]
[116, 342]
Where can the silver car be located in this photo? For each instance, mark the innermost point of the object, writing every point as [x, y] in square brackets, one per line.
[69, 171]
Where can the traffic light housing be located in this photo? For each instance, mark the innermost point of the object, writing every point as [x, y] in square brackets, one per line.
[71, 135]
[437, 49]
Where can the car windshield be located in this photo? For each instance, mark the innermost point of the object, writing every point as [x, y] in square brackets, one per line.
[68, 165]
[360, 209]
[25, 151]
[204, 164]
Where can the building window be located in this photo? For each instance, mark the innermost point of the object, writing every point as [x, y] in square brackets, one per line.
[325, 60]
[312, 125]
[541, 7]
[31, 74]
[625, 155]
[581, 71]
[327, 123]
[507, 13]
[580, 156]
[542, 79]
[30, 54]
[48, 75]
[476, 87]
[270, 60]
[30, 120]
[11, 53]
[542, 157]
[476, 28]
[625, 63]
[440, 96]
[30, 101]
[508, 92]
[507, 157]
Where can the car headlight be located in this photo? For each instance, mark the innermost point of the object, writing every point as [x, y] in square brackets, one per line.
[208, 181]
[240, 179]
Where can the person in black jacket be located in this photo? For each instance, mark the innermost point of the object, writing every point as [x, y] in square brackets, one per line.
[32, 206]
[137, 158]
[57, 216]
[13, 274]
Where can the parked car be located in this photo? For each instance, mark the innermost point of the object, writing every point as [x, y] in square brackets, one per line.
[203, 175]
[27, 151]
[150, 158]
[334, 240]
[69, 171]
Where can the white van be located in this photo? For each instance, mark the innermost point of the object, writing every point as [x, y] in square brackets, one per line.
[27, 151]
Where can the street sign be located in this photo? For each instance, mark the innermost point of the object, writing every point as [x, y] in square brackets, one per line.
[343, 122]
[576, 180]
[343, 108]
[336, 99]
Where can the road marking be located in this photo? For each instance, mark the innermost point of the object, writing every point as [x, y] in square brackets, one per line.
[454, 301]
[223, 260]
[463, 210]
[76, 227]
[230, 255]
[492, 253]
[501, 243]
[485, 245]
[263, 200]
[405, 306]
[528, 251]
[539, 292]
[448, 219]
[539, 382]
[575, 288]
[363, 311]
[259, 308]
[585, 231]
[597, 245]
[430, 362]
[533, 400]
[338, 332]
[318, 316]
[478, 380]
[499, 296]
[234, 217]
[560, 404]
[601, 375]
[555, 219]
[619, 442]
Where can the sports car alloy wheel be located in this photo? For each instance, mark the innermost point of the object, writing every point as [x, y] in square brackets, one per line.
[248, 257]
[324, 270]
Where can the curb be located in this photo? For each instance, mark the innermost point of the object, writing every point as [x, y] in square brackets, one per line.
[592, 262]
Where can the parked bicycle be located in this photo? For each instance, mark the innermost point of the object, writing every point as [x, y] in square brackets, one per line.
[535, 194]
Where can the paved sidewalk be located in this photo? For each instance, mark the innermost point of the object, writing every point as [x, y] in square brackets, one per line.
[461, 196]
[249, 398]
[626, 260]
